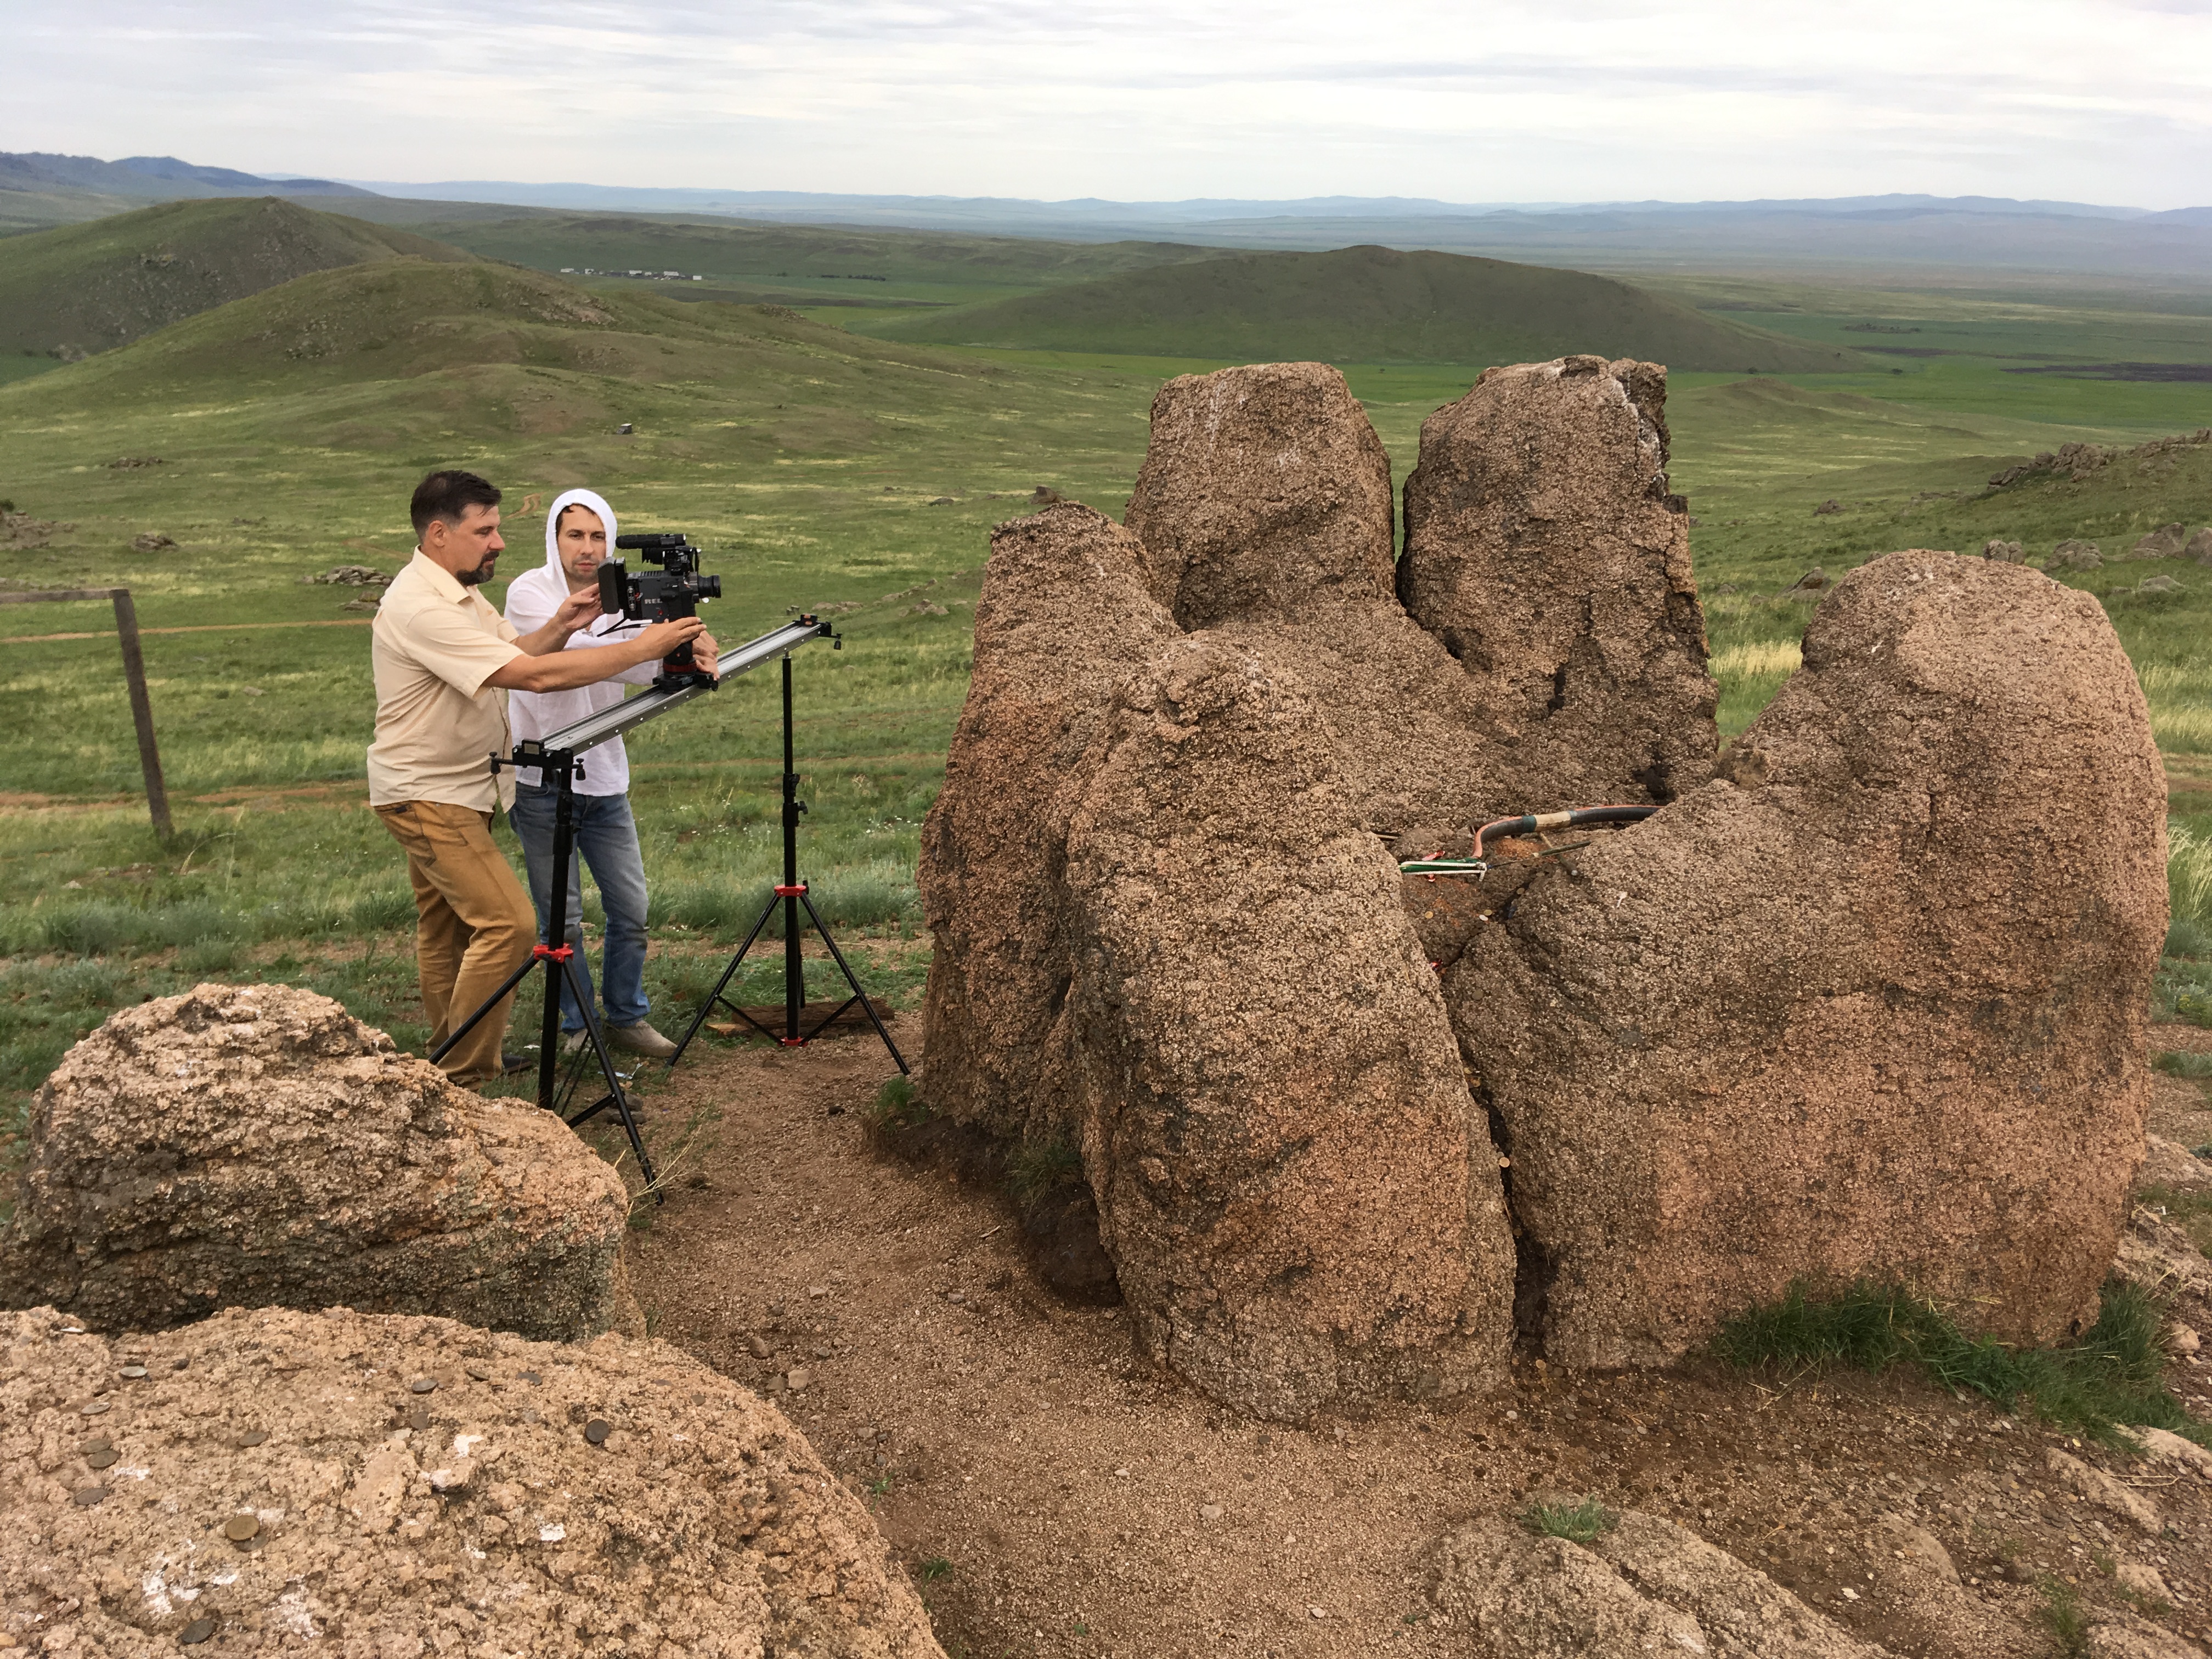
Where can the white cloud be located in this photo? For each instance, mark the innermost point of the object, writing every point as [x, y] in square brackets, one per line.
[1508, 99]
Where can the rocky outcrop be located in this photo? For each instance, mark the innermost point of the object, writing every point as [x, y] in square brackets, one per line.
[1870, 1004]
[2164, 543]
[1641, 1585]
[256, 1144]
[1264, 510]
[1544, 549]
[1062, 619]
[1303, 1207]
[2074, 554]
[399, 1486]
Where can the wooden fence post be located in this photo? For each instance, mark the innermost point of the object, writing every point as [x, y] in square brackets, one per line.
[134, 673]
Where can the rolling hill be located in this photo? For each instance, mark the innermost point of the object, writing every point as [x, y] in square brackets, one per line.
[621, 241]
[1364, 305]
[83, 288]
[383, 359]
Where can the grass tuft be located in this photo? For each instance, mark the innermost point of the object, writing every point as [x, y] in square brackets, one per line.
[1036, 1167]
[2183, 1063]
[2111, 1378]
[2063, 1615]
[896, 1106]
[1579, 1524]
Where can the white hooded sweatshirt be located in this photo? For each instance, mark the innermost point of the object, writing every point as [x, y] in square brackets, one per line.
[531, 599]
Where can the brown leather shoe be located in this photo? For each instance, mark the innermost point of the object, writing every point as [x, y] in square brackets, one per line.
[640, 1039]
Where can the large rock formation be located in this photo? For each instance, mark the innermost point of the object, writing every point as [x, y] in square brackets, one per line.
[256, 1144]
[334, 1482]
[1263, 510]
[1870, 1004]
[1303, 1207]
[1062, 619]
[1543, 547]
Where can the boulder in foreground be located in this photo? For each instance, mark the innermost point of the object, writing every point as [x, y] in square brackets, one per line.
[250, 1146]
[394, 1486]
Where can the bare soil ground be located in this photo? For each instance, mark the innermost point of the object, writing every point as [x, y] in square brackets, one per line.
[1052, 1494]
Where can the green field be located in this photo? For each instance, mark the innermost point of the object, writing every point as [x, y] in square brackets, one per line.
[1370, 304]
[822, 467]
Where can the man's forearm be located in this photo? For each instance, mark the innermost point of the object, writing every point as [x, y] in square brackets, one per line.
[564, 671]
[544, 642]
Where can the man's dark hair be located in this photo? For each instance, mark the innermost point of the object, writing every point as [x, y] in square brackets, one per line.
[447, 496]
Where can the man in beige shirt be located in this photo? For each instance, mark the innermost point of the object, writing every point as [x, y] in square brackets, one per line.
[442, 656]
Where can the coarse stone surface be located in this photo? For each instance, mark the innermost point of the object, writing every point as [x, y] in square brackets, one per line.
[1544, 549]
[1264, 511]
[256, 1144]
[1644, 1585]
[1303, 1205]
[1063, 619]
[1871, 1004]
[288, 1477]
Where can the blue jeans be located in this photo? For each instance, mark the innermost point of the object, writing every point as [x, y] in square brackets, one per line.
[606, 838]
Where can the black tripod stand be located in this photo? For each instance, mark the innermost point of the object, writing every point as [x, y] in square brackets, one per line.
[555, 759]
[791, 893]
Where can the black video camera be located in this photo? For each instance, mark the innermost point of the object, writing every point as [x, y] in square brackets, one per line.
[656, 596]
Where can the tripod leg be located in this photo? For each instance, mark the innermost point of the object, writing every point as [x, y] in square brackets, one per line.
[720, 985]
[845, 967]
[489, 1003]
[617, 1097]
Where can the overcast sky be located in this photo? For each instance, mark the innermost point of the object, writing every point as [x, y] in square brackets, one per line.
[1474, 100]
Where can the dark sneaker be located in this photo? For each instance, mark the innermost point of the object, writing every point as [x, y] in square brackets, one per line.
[640, 1039]
[511, 1064]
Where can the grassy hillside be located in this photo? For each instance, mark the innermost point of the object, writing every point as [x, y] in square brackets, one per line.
[1365, 304]
[819, 467]
[832, 262]
[89, 288]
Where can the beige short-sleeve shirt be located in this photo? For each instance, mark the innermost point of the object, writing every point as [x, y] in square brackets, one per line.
[433, 645]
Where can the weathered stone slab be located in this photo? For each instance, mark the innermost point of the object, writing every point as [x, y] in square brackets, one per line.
[1544, 549]
[1870, 1004]
[1063, 619]
[1302, 1204]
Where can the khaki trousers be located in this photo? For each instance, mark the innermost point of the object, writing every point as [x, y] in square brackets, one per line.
[473, 925]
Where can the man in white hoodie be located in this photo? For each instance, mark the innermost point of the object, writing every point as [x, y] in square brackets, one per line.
[580, 533]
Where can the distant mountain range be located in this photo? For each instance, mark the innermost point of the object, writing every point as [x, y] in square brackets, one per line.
[968, 212]
[163, 177]
[1869, 236]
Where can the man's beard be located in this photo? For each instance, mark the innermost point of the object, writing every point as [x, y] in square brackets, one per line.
[481, 573]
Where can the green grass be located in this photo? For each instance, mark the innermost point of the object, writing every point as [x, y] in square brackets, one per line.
[2063, 1614]
[1365, 304]
[815, 464]
[1579, 1524]
[2110, 1378]
[91, 287]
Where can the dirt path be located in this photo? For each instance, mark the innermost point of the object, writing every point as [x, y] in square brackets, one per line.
[1051, 1494]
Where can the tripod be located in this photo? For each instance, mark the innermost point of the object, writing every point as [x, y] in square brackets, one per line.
[559, 962]
[791, 893]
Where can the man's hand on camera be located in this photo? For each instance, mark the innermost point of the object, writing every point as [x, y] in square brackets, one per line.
[577, 610]
[703, 654]
[661, 638]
